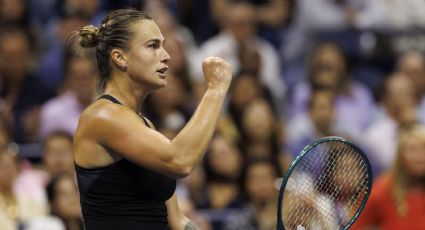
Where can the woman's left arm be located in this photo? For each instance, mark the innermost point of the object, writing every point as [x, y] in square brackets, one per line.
[176, 219]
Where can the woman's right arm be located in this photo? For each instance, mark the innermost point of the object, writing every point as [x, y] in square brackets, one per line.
[124, 133]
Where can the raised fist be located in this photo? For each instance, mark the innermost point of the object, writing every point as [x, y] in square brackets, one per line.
[217, 73]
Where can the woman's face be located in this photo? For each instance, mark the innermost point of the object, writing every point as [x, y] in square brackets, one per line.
[147, 59]
[260, 182]
[57, 155]
[82, 78]
[258, 121]
[245, 90]
[224, 157]
[413, 157]
[330, 58]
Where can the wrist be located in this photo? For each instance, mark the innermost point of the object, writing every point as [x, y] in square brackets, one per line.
[216, 91]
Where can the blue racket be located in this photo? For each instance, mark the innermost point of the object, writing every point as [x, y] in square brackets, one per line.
[326, 186]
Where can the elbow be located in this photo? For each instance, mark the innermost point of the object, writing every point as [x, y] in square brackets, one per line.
[179, 169]
[182, 172]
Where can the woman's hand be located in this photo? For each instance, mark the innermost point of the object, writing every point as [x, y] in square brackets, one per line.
[217, 73]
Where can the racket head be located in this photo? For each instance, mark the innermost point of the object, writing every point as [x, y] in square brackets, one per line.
[320, 169]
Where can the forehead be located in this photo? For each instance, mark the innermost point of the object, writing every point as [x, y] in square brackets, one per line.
[145, 30]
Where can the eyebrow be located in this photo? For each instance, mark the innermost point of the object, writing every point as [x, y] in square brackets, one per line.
[156, 40]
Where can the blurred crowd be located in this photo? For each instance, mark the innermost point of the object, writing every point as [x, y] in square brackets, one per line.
[302, 70]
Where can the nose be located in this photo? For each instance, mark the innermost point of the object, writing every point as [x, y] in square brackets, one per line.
[165, 56]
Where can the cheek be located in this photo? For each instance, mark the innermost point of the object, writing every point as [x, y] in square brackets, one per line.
[141, 63]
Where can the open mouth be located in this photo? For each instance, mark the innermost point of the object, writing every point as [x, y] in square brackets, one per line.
[162, 72]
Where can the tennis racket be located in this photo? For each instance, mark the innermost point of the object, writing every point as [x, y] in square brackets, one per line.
[326, 187]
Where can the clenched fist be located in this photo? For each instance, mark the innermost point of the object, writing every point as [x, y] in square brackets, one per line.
[217, 73]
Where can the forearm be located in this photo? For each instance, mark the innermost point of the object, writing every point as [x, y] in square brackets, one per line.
[183, 224]
[191, 143]
[176, 219]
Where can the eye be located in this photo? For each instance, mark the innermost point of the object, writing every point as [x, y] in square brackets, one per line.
[154, 46]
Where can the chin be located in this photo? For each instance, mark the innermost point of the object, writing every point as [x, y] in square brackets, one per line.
[160, 85]
[163, 83]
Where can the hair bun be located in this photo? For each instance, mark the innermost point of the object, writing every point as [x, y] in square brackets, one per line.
[89, 36]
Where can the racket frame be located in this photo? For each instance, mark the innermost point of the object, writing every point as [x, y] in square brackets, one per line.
[304, 151]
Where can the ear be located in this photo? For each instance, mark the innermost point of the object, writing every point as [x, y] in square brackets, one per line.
[119, 58]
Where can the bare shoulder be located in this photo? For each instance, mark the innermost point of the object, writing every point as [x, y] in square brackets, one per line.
[101, 116]
[97, 123]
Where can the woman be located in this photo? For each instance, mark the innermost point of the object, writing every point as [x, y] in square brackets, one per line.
[63, 198]
[126, 170]
[258, 185]
[397, 200]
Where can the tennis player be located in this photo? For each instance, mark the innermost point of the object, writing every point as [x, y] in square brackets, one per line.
[126, 170]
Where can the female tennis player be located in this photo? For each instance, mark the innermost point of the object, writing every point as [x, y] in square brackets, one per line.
[126, 170]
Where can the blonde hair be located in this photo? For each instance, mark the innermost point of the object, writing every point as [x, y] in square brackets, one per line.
[398, 171]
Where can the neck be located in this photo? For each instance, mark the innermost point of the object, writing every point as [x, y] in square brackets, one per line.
[129, 93]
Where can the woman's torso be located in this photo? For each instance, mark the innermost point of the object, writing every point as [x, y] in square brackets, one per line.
[123, 195]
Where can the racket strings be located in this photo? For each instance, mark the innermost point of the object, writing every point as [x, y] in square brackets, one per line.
[326, 187]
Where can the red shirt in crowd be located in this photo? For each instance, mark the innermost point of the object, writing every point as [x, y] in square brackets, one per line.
[381, 211]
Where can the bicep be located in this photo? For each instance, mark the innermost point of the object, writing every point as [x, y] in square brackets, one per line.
[125, 134]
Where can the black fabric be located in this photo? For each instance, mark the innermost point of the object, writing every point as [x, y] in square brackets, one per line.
[123, 195]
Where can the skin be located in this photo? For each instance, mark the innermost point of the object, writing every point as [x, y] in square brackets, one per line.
[134, 75]
[413, 157]
[57, 155]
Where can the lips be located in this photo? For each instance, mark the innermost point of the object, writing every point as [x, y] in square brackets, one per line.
[162, 72]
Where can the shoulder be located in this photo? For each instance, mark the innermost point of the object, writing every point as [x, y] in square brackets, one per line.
[103, 116]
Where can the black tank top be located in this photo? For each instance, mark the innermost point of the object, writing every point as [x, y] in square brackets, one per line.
[123, 195]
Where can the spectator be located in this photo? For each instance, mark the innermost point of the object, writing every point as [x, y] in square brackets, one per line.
[398, 110]
[21, 90]
[52, 62]
[412, 65]
[9, 211]
[314, 18]
[245, 88]
[62, 112]
[397, 197]
[261, 133]
[271, 13]
[223, 166]
[21, 198]
[259, 211]
[57, 154]
[240, 29]
[64, 201]
[320, 121]
[353, 101]
[169, 108]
